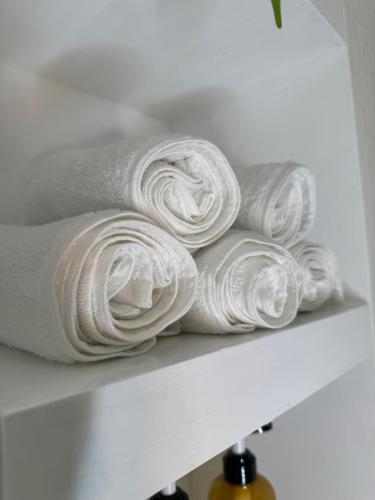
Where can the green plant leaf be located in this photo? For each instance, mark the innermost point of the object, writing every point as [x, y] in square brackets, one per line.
[276, 4]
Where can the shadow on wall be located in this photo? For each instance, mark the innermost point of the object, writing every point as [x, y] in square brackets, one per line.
[117, 74]
[110, 72]
[115, 71]
[175, 108]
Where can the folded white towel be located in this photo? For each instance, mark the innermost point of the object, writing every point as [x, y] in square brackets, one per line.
[91, 287]
[244, 281]
[183, 184]
[278, 200]
[320, 274]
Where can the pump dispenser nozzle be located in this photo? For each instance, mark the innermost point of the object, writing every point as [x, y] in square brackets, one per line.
[170, 492]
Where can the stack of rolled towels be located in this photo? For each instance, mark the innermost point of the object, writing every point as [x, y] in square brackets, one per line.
[141, 239]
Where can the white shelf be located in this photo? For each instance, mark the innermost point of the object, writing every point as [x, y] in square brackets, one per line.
[98, 431]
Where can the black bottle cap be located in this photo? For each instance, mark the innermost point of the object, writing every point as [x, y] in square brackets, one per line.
[239, 468]
[179, 495]
[264, 428]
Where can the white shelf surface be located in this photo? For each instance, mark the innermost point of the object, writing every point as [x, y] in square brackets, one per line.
[98, 431]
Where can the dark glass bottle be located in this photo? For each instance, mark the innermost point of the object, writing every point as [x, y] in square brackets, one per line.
[240, 480]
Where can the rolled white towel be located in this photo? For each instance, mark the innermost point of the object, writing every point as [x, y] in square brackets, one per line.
[278, 200]
[320, 274]
[185, 185]
[244, 281]
[91, 287]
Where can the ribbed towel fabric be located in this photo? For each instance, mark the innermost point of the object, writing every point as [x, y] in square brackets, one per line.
[183, 184]
[245, 281]
[320, 274]
[92, 287]
[278, 200]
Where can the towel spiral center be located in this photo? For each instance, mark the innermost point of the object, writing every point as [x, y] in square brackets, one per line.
[135, 281]
[182, 192]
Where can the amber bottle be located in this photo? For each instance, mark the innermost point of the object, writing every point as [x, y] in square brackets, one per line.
[240, 480]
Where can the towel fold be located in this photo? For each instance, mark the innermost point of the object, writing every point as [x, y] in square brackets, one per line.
[320, 274]
[91, 287]
[278, 200]
[244, 281]
[183, 184]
